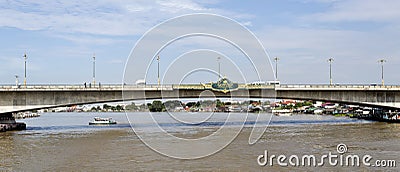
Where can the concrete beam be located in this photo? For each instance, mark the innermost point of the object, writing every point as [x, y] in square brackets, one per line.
[14, 99]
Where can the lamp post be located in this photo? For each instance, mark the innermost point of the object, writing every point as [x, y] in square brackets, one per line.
[330, 60]
[219, 67]
[94, 70]
[276, 67]
[158, 70]
[16, 81]
[25, 58]
[382, 61]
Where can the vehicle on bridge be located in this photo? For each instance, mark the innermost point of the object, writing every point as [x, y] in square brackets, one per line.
[140, 82]
[265, 83]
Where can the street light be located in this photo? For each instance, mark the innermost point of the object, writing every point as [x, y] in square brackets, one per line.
[382, 61]
[16, 80]
[94, 70]
[25, 57]
[158, 70]
[330, 60]
[276, 67]
[219, 67]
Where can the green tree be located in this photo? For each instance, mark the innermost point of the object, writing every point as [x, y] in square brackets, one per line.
[157, 106]
[142, 107]
[106, 107]
[267, 102]
[93, 109]
[190, 104]
[131, 107]
[207, 103]
[172, 104]
[119, 108]
[219, 103]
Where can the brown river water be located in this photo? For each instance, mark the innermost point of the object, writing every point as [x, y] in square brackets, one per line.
[65, 142]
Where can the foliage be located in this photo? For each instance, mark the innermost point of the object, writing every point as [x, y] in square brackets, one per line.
[219, 103]
[191, 104]
[157, 106]
[206, 103]
[172, 104]
[131, 107]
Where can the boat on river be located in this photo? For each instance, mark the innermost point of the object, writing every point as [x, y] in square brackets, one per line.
[23, 115]
[282, 112]
[102, 121]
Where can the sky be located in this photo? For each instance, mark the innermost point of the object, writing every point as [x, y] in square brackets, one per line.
[61, 37]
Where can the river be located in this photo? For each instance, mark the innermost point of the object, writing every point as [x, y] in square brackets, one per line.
[65, 142]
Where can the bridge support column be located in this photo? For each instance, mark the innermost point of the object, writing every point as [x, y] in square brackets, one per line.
[8, 123]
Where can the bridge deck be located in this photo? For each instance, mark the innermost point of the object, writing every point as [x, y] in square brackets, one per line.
[14, 98]
[190, 86]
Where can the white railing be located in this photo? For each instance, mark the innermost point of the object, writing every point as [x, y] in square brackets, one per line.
[187, 86]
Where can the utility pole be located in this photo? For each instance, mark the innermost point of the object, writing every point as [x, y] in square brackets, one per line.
[94, 70]
[276, 67]
[25, 58]
[382, 61]
[158, 70]
[330, 60]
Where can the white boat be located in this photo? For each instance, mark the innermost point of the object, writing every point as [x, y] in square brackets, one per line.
[318, 111]
[23, 115]
[282, 112]
[102, 121]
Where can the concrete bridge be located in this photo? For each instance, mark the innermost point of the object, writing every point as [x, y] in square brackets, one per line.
[31, 97]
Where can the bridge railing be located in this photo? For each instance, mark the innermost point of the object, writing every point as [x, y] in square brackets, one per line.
[82, 87]
[187, 86]
[340, 86]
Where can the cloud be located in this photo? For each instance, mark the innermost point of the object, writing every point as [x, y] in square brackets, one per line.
[360, 11]
[107, 17]
[304, 51]
[93, 40]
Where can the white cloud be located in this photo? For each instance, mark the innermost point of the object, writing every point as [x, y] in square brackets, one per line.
[360, 10]
[175, 6]
[106, 17]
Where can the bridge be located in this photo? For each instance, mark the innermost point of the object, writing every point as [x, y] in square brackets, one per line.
[31, 97]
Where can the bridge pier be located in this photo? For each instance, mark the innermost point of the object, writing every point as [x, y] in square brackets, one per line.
[8, 123]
